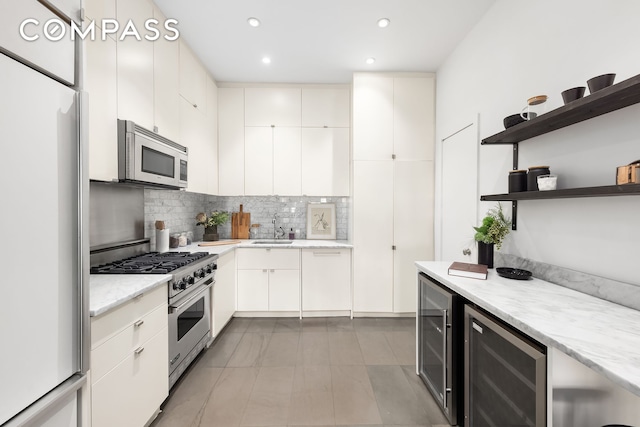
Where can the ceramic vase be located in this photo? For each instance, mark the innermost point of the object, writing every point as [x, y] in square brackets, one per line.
[485, 254]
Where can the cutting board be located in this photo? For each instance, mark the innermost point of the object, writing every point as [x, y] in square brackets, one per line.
[220, 242]
[240, 223]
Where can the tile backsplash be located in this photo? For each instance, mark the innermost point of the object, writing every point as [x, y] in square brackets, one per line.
[179, 208]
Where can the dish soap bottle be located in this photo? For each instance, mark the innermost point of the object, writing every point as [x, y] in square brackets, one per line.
[292, 235]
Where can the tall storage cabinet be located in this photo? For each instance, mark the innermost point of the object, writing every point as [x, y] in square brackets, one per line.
[393, 192]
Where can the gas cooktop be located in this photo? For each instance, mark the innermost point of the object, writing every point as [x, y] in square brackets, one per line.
[150, 263]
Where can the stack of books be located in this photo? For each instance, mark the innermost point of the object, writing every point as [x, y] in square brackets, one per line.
[464, 269]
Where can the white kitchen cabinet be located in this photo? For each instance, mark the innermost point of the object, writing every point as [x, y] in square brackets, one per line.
[193, 78]
[325, 161]
[393, 196]
[324, 107]
[166, 83]
[97, 10]
[326, 280]
[373, 236]
[272, 161]
[101, 84]
[231, 141]
[272, 107]
[129, 361]
[223, 299]
[202, 153]
[268, 279]
[135, 66]
[372, 117]
[211, 124]
[71, 8]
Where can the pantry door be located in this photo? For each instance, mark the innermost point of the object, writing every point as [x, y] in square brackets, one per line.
[459, 193]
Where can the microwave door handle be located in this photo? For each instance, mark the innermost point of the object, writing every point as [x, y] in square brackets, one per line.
[444, 359]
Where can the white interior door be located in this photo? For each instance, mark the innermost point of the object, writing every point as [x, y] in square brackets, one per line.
[459, 193]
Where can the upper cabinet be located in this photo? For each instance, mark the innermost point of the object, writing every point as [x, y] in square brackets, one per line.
[135, 66]
[231, 141]
[71, 8]
[97, 10]
[193, 78]
[166, 82]
[394, 118]
[272, 107]
[326, 108]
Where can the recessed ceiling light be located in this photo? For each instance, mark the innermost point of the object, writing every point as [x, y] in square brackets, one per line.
[254, 22]
[384, 22]
[371, 60]
[266, 60]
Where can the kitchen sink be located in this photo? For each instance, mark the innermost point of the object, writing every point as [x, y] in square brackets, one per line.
[272, 242]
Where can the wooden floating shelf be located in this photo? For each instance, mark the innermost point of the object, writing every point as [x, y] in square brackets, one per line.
[612, 98]
[567, 193]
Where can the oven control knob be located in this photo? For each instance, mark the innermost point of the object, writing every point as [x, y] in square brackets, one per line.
[189, 280]
[207, 270]
[183, 284]
[200, 273]
[175, 286]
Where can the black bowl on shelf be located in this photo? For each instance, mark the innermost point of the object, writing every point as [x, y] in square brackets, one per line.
[573, 94]
[600, 82]
[515, 119]
[513, 273]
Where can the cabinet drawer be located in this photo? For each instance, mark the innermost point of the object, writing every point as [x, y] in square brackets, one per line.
[257, 259]
[130, 394]
[112, 351]
[114, 321]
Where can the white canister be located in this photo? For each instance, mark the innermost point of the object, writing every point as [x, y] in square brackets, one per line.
[162, 240]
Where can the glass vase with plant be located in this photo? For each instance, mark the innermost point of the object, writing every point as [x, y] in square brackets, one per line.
[211, 223]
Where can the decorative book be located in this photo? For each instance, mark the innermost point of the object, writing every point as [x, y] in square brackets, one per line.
[464, 269]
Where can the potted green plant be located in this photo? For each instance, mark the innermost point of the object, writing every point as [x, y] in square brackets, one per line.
[495, 227]
[211, 224]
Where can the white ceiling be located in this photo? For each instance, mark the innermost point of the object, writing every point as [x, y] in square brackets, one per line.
[321, 41]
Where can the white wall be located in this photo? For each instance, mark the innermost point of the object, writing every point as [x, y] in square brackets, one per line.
[526, 48]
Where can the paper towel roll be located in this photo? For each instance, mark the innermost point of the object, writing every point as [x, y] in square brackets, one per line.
[162, 240]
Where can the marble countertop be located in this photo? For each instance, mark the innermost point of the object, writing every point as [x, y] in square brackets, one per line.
[600, 334]
[107, 291]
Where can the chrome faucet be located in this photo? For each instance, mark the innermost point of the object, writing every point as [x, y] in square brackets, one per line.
[278, 232]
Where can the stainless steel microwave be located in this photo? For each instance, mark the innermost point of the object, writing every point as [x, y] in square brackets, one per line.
[145, 157]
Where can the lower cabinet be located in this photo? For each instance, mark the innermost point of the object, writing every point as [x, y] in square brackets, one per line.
[268, 279]
[326, 280]
[129, 361]
[223, 298]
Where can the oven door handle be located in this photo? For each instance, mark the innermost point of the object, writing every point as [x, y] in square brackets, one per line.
[205, 286]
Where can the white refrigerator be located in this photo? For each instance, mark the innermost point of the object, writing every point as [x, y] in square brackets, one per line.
[43, 320]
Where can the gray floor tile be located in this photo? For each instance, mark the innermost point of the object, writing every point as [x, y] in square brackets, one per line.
[375, 348]
[339, 324]
[282, 349]
[314, 324]
[288, 324]
[353, 399]
[313, 349]
[238, 324]
[312, 408]
[250, 350]
[271, 397]
[229, 398]
[344, 349]
[262, 325]
[188, 397]
[309, 379]
[397, 402]
[220, 352]
[403, 345]
[372, 324]
[434, 413]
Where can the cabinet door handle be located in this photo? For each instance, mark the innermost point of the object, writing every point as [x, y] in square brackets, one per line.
[138, 350]
[325, 253]
[264, 270]
[138, 323]
[272, 270]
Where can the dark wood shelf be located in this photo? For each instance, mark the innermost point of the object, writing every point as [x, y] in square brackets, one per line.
[612, 98]
[567, 193]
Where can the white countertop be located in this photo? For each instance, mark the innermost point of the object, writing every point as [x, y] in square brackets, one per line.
[600, 334]
[107, 291]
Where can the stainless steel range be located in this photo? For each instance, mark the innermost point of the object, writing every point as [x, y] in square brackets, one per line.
[189, 295]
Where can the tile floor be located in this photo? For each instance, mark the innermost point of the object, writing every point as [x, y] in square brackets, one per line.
[314, 371]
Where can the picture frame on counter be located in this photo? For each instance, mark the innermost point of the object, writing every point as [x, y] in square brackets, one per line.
[321, 221]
